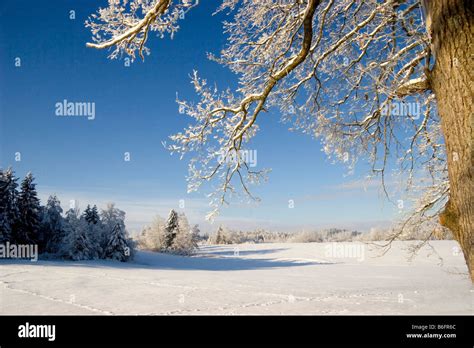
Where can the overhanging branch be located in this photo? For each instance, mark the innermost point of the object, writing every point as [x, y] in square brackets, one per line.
[413, 86]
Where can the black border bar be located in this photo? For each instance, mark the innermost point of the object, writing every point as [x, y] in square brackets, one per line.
[290, 331]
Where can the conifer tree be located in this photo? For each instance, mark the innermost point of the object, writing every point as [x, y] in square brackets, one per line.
[86, 212]
[52, 225]
[183, 242]
[195, 235]
[94, 217]
[118, 247]
[171, 229]
[110, 217]
[94, 231]
[76, 245]
[29, 212]
[5, 229]
[221, 236]
[8, 204]
[91, 215]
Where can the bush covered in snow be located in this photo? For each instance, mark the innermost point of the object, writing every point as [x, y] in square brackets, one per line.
[222, 236]
[174, 236]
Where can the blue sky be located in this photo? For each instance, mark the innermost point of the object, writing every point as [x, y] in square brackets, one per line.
[83, 160]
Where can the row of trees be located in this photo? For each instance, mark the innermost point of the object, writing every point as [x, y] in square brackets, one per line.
[75, 236]
[224, 235]
[173, 235]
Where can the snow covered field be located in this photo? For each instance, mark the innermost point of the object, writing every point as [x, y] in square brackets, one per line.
[312, 278]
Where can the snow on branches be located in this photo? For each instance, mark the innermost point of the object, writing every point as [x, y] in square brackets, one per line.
[353, 74]
[125, 25]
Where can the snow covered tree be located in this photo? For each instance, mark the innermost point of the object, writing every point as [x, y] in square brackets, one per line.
[118, 247]
[183, 242]
[8, 204]
[175, 235]
[195, 232]
[29, 213]
[153, 236]
[221, 236]
[171, 229]
[94, 231]
[387, 81]
[76, 244]
[51, 234]
[91, 215]
[5, 229]
[110, 217]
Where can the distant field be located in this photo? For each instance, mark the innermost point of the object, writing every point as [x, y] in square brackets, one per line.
[310, 278]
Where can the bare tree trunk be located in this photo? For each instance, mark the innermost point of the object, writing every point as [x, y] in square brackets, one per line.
[451, 26]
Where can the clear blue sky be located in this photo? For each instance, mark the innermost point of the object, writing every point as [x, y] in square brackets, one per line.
[82, 159]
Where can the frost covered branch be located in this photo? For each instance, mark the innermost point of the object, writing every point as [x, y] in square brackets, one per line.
[350, 73]
[120, 24]
[414, 86]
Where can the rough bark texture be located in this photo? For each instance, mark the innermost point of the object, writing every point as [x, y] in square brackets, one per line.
[451, 26]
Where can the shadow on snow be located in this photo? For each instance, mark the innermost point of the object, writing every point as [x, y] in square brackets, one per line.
[223, 260]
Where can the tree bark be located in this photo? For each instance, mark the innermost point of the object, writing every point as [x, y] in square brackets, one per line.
[451, 26]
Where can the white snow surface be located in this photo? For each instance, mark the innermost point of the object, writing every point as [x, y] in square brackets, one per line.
[286, 278]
